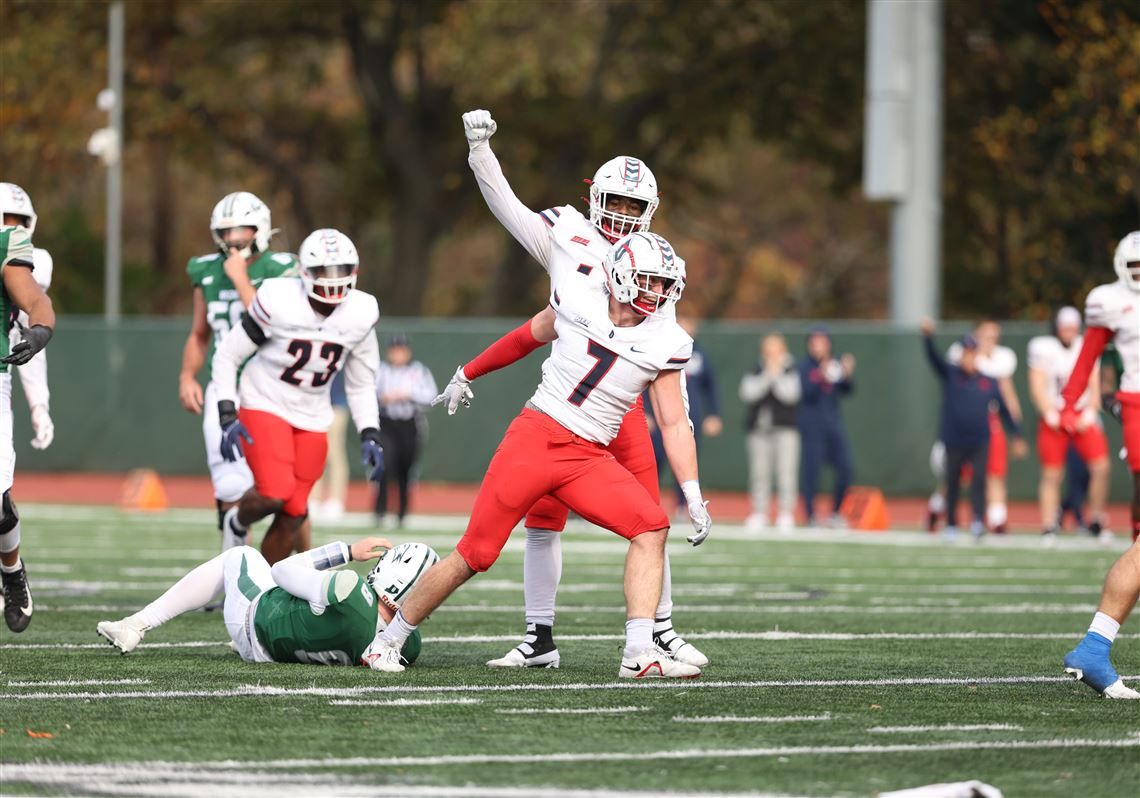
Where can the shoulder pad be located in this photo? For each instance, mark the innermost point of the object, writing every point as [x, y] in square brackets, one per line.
[285, 258]
[1040, 350]
[342, 584]
[197, 267]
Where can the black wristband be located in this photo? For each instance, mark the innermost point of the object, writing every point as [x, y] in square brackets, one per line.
[227, 412]
[370, 434]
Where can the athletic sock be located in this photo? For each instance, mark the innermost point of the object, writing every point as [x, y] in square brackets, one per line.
[542, 571]
[1105, 626]
[665, 604]
[398, 631]
[191, 592]
[638, 635]
[11, 569]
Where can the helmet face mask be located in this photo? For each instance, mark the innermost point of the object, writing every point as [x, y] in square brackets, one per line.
[14, 201]
[241, 209]
[622, 178]
[329, 266]
[644, 273]
[1126, 260]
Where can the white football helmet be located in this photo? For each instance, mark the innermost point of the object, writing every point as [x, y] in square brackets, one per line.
[242, 209]
[15, 200]
[1126, 261]
[398, 571]
[329, 265]
[626, 177]
[631, 266]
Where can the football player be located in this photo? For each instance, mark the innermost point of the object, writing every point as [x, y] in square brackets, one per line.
[19, 291]
[1051, 361]
[623, 199]
[299, 610]
[1112, 312]
[298, 332]
[224, 284]
[612, 340]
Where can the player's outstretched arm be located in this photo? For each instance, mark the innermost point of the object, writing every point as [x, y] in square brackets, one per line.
[521, 222]
[1092, 346]
[27, 295]
[302, 575]
[360, 370]
[680, 447]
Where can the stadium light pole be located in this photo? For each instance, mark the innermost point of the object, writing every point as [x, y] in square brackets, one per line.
[112, 278]
[902, 155]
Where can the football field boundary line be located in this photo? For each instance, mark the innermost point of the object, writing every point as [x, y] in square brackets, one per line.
[770, 636]
[267, 691]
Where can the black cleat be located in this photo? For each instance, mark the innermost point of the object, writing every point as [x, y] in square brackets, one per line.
[17, 599]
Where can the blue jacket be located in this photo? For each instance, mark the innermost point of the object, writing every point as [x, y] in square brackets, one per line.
[966, 400]
[819, 404]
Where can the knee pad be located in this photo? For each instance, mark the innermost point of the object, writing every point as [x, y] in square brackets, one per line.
[230, 486]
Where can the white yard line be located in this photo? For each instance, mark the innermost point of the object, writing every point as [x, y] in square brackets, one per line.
[78, 682]
[403, 702]
[750, 718]
[946, 727]
[268, 691]
[585, 711]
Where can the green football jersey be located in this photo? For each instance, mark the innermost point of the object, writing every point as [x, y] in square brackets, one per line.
[223, 305]
[15, 245]
[291, 632]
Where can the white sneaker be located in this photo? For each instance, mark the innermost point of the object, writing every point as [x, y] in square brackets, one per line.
[1118, 690]
[516, 659]
[230, 535]
[653, 663]
[124, 635]
[785, 522]
[837, 521]
[675, 646]
[382, 656]
[755, 523]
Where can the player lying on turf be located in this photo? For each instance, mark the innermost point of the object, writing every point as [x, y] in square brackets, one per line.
[299, 610]
[1112, 312]
[614, 340]
[623, 199]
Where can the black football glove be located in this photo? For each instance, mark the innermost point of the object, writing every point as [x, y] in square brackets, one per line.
[34, 339]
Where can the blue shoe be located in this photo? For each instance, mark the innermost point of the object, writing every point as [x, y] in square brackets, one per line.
[1089, 663]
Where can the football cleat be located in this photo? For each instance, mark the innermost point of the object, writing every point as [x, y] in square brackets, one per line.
[655, 663]
[1089, 663]
[382, 656]
[675, 646]
[537, 650]
[124, 635]
[17, 599]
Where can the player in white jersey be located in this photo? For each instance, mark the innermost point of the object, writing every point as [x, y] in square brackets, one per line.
[1051, 361]
[1112, 312]
[27, 321]
[613, 341]
[297, 333]
[999, 363]
[623, 198]
[224, 284]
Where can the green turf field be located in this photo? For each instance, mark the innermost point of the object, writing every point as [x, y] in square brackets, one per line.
[843, 664]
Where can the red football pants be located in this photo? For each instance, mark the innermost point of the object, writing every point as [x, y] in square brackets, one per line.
[1053, 444]
[632, 448]
[538, 456]
[285, 461]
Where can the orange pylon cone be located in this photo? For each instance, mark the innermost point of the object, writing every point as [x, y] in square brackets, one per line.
[143, 490]
[866, 510]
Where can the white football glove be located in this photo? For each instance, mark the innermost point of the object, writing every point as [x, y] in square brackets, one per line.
[458, 392]
[702, 522]
[43, 427]
[478, 126]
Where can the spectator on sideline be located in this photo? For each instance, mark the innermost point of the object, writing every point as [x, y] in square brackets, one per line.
[405, 388]
[964, 429]
[772, 392]
[704, 404]
[326, 502]
[823, 438]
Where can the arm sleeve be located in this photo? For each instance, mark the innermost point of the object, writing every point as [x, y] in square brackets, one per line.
[511, 348]
[301, 575]
[936, 361]
[525, 225]
[1095, 340]
[33, 375]
[360, 382]
[236, 348]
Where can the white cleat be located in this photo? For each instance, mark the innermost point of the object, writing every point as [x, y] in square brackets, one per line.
[1118, 690]
[675, 646]
[516, 659]
[230, 537]
[655, 663]
[382, 656]
[123, 635]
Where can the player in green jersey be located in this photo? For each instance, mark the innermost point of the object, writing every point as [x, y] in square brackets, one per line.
[18, 291]
[299, 610]
[224, 284]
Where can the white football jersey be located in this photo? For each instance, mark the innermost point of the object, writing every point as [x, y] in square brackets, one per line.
[596, 371]
[1047, 353]
[997, 365]
[290, 374]
[1117, 307]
